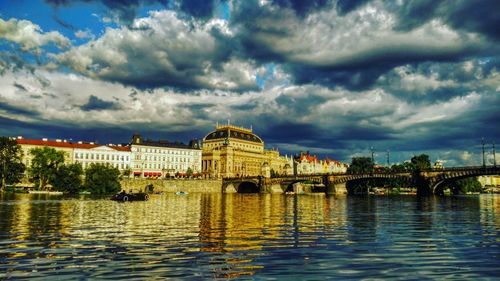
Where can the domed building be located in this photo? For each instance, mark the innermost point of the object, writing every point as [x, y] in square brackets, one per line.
[232, 151]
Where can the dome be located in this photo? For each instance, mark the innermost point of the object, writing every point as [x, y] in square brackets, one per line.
[232, 132]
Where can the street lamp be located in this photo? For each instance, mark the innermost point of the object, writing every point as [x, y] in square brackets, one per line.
[482, 144]
[373, 161]
[494, 156]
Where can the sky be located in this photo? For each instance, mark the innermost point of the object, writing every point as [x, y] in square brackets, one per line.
[336, 78]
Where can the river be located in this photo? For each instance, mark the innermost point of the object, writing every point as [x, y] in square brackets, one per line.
[250, 236]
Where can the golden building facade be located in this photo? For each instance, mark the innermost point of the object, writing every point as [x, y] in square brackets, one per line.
[232, 151]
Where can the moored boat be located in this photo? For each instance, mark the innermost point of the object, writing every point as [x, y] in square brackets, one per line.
[124, 197]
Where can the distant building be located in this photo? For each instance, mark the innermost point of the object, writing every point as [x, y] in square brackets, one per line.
[307, 164]
[163, 158]
[59, 145]
[84, 153]
[232, 151]
[117, 156]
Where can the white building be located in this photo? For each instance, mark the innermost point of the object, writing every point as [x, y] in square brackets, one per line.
[163, 158]
[117, 156]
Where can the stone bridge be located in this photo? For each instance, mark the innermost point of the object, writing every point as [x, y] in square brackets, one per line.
[433, 181]
[427, 182]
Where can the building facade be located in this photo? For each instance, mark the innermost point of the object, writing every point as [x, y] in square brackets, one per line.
[307, 164]
[232, 151]
[163, 158]
[60, 145]
[117, 156]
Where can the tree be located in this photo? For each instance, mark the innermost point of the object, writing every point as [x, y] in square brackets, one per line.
[44, 165]
[11, 167]
[189, 172]
[421, 162]
[68, 178]
[463, 186]
[102, 179]
[361, 165]
[127, 172]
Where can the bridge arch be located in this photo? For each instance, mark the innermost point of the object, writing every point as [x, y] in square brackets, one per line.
[287, 186]
[241, 186]
[248, 187]
[439, 183]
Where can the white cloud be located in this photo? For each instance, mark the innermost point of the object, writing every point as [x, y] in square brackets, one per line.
[30, 36]
[163, 50]
[327, 38]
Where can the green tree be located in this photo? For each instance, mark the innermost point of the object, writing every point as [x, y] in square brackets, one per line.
[189, 172]
[44, 165]
[361, 165]
[102, 179]
[421, 162]
[68, 178]
[11, 167]
[127, 172]
[463, 186]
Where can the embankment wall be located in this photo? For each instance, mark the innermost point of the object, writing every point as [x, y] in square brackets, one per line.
[159, 185]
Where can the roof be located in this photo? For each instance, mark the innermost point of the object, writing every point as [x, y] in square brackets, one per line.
[164, 144]
[70, 145]
[232, 132]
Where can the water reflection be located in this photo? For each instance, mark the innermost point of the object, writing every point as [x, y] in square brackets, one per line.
[225, 236]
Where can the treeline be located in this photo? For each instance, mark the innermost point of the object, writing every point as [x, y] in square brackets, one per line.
[364, 165]
[48, 168]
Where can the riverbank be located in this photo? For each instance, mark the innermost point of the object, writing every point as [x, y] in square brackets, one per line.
[167, 186]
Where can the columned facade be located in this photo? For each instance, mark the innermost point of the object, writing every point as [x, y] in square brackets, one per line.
[232, 151]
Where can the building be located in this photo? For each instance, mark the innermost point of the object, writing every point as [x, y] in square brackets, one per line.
[163, 158]
[307, 164]
[60, 145]
[232, 151]
[84, 153]
[117, 156]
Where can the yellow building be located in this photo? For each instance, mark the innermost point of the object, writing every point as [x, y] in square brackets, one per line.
[232, 151]
[59, 145]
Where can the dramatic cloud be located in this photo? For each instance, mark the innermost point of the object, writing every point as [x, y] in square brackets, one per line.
[333, 77]
[359, 46]
[163, 50]
[30, 36]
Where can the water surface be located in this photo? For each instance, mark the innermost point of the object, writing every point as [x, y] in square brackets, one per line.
[250, 236]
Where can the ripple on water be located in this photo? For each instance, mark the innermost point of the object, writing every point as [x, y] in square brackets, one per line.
[206, 236]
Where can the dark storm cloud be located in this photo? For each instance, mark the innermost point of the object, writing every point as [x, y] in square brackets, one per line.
[345, 6]
[20, 87]
[474, 16]
[96, 103]
[99, 134]
[301, 7]
[274, 35]
[16, 110]
[198, 8]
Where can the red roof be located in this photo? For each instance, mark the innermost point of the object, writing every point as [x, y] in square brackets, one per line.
[309, 158]
[69, 144]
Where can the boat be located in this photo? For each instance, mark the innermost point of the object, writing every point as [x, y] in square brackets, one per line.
[181, 193]
[124, 197]
[45, 192]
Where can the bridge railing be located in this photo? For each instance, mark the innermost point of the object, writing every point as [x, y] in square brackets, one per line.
[465, 168]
